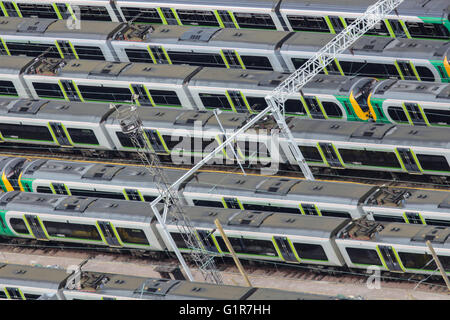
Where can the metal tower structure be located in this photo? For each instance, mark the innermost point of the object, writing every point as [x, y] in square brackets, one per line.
[132, 126]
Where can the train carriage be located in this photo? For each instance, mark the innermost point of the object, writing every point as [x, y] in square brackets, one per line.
[11, 84]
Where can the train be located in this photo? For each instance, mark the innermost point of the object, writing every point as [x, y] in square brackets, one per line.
[25, 282]
[264, 236]
[185, 136]
[331, 97]
[282, 51]
[412, 19]
[222, 190]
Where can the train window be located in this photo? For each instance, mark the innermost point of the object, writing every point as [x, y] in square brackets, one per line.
[124, 140]
[257, 63]
[436, 222]
[138, 55]
[308, 23]
[425, 73]
[143, 15]
[197, 18]
[18, 225]
[32, 49]
[298, 62]
[419, 261]
[165, 98]
[379, 29]
[383, 218]
[95, 13]
[311, 153]
[48, 90]
[82, 136]
[7, 88]
[248, 246]
[213, 101]
[26, 132]
[259, 207]
[433, 162]
[332, 109]
[43, 11]
[310, 251]
[337, 214]
[380, 70]
[438, 117]
[72, 230]
[254, 20]
[208, 203]
[292, 106]
[97, 193]
[445, 261]
[369, 158]
[196, 59]
[109, 94]
[29, 296]
[133, 236]
[2, 293]
[149, 198]
[397, 114]
[364, 256]
[89, 53]
[427, 30]
[256, 103]
[178, 239]
[42, 189]
[172, 141]
[252, 149]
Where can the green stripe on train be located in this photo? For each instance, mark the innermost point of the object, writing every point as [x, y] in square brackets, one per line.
[4, 229]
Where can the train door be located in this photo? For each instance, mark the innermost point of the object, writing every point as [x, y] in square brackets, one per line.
[336, 23]
[60, 134]
[397, 28]
[408, 160]
[226, 19]
[232, 59]
[159, 55]
[238, 101]
[310, 210]
[66, 49]
[14, 293]
[36, 227]
[407, 70]
[10, 9]
[207, 241]
[330, 154]
[390, 258]
[414, 218]
[60, 188]
[156, 141]
[314, 107]
[108, 233]
[70, 90]
[285, 249]
[170, 16]
[143, 98]
[232, 203]
[133, 195]
[415, 114]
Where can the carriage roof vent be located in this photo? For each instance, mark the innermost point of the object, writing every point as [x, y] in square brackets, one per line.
[190, 117]
[109, 68]
[34, 25]
[102, 172]
[373, 132]
[433, 233]
[27, 106]
[198, 34]
[249, 218]
[158, 287]
[75, 204]
[275, 186]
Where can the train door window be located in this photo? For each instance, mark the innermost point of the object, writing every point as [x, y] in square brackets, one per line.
[97, 194]
[425, 73]
[133, 195]
[408, 160]
[138, 55]
[256, 103]
[309, 209]
[95, 13]
[437, 116]
[124, 140]
[72, 230]
[413, 217]
[165, 98]
[380, 70]
[178, 239]
[308, 23]
[433, 162]
[379, 29]
[314, 107]
[29, 296]
[70, 90]
[256, 63]
[109, 94]
[249, 246]
[363, 256]
[445, 261]
[214, 101]
[2, 293]
[436, 222]
[155, 141]
[89, 53]
[9, 7]
[196, 59]
[48, 90]
[18, 225]
[197, 18]
[226, 19]
[44, 11]
[254, 20]
[397, 28]
[311, 153]
[83, 136]
[42, 189]
[232, 203]
[149, 198]
[208, 203]
[397, 114]
[7, 88]
[427, 30]
[132, 236]
[337, 24]
[309, 251]
[292, 106]
[142, 15]
[336, 214]
[383, 218]
[32, 49]
[27, 132]
[406, 69]
[298, 62]
[420, 261]
[169, 15]
[14, 293]
[172, 141]
[369, 158]
[238, 101]
[332, 109]
[330, 154]
[259, 207]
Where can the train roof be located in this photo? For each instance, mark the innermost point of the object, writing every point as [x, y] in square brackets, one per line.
[55, 110]
[14, 64]
[415, 8]
[274, 294]
[51, 28]
[423, 91]
[21, 275]
[205, 4]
